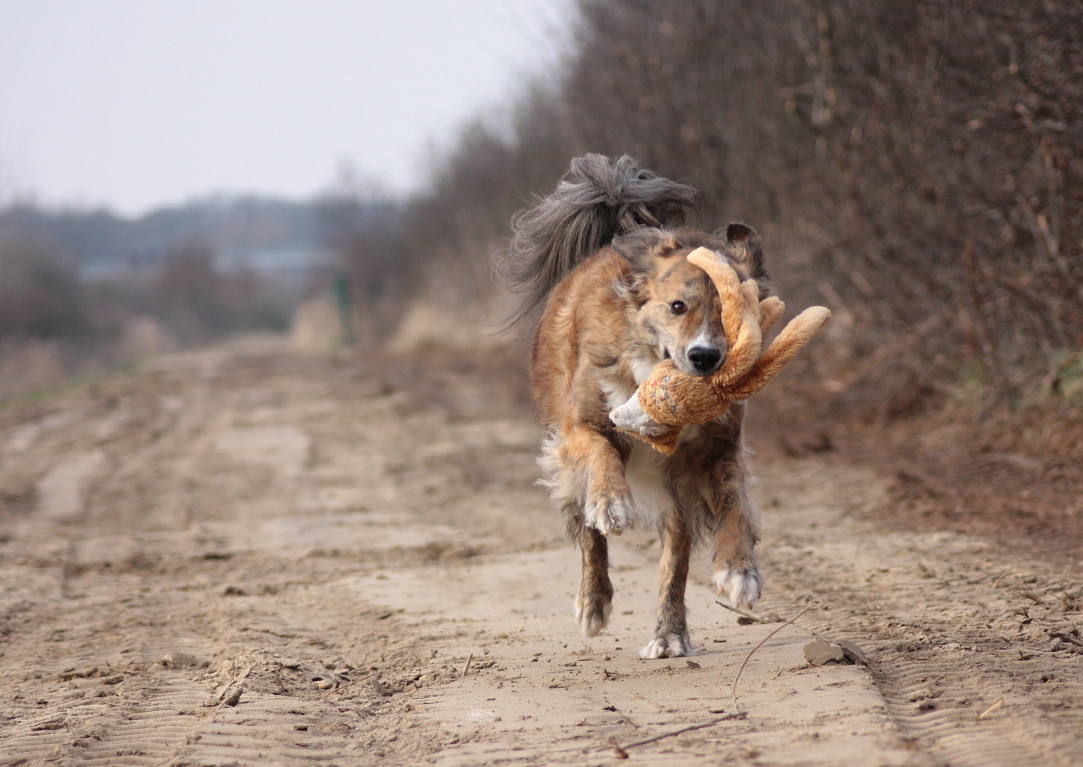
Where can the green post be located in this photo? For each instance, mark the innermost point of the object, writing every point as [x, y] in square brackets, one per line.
[342, 298]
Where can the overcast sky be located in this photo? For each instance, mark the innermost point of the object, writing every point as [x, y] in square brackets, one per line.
[131, 104]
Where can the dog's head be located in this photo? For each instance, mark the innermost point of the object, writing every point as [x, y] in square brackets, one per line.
[678, 310]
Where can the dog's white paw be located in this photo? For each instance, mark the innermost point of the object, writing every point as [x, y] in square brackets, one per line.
[631, 417]
[672, 646]
[592, 618]
[741, 587]
[610, 515]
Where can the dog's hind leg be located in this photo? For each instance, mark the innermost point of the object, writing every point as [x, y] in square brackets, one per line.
[671, 631]
[595, 598]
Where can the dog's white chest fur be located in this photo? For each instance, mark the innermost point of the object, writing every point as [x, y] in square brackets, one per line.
[645, 469]
[646, 475]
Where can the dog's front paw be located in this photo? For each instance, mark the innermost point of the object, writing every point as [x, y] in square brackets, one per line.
[671, 646]
[631, 417]
[610, 515]
[742, 586]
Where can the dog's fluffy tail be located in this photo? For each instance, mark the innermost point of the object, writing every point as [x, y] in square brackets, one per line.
[597, 199]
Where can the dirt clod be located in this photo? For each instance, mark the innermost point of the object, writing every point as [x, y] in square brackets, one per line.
[820, 652]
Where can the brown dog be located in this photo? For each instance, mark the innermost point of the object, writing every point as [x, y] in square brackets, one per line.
[603, 260]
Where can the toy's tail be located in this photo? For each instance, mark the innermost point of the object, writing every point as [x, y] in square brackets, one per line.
[596, 200]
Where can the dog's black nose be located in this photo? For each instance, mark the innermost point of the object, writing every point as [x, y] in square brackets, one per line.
[704, 358]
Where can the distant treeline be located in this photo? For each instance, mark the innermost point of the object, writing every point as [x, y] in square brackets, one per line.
[918, 166]
[84, 290]
[96, 240]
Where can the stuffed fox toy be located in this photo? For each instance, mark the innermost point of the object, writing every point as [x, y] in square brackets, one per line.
[669, 399]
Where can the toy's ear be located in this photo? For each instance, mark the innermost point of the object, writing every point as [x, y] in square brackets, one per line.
[745, 252]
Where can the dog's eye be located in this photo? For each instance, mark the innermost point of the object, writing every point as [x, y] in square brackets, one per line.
[678, 307]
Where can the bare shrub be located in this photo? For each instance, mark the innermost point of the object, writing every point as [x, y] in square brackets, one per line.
[40, 294]
[188, 293]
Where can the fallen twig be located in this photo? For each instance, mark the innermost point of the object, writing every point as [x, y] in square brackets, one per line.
[991, 709]
[772, 618]
[762, 641]
[1029, 594]
[468, 662]
[623, 749]
[622, 715]
[621, 753]
[1066, 637]
[348, 684]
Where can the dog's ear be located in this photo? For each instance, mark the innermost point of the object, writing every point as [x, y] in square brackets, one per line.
[745, 251]
[641, 247]
[631, 287]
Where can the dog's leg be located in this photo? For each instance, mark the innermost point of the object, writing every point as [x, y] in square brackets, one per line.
[607, 501]
[671, 632]
[736, 574]
[595, 598]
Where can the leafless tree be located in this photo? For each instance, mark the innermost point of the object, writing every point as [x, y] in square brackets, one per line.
[918, 163]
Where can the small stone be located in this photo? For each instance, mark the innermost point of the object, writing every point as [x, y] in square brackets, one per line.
[179, 660]
[81, 673]
[820, 652]
[232, 695]
[323, 684]
[853, 653]
[53, 723]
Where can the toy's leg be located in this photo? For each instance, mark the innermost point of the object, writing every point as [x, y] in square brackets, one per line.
[595, 598]
[631, 417]
[671, 632]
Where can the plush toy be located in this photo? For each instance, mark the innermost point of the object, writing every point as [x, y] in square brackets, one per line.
[669, 399]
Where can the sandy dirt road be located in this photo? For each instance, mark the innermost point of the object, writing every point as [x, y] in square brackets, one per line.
[241, 557]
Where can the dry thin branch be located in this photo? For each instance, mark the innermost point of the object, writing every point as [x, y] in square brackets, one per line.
[771, 618]
[1066, 637]
[622, 715]
[762, 641]
[690, 728]
[342, 687]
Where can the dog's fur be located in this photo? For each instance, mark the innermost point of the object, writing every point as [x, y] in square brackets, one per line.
[602, 259]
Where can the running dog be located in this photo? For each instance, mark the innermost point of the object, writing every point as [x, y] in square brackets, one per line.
[601, 266]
